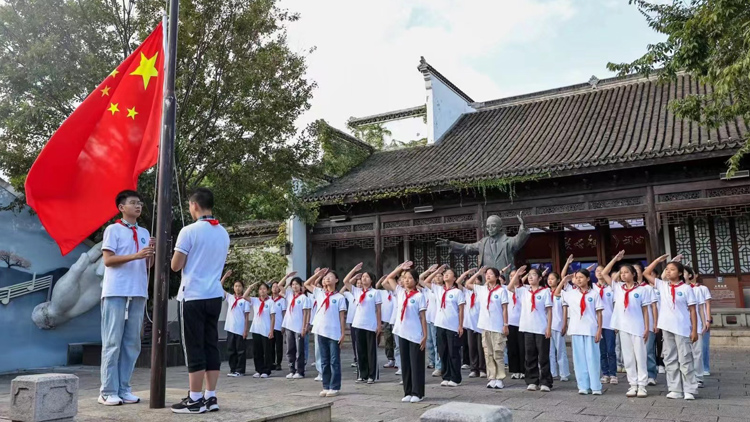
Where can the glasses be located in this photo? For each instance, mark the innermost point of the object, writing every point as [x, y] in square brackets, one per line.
[135, 203]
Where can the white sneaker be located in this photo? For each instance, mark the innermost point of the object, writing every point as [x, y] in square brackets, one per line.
[642, 392]
[674, 395]
[415, 399]
[406, 399]
[129, 398]
[491, 384]
[531, 387]
[662, 370]
[700, 384]
[354, 364]
[444, 384]
[401, 382]
[613, 380]
[499, 385]
[604, 379]
[323, 393]
[318, 378]
[464, 366]
[583, 392]
[473, 375]
[359, 380]
[332, 393]
[514, 376]
[521, 376]
[110, 400]
[706, 373]
[398, 372]
[257, 375]
[482, 374]
[389, 364]
[632, 391]
[651, 381]
[264, 375]
[620, 369]
[289, 376]
[232, 374]
[597, 392]
[564, 379]
[297, 377]
[437, 373]
[544, 388]
[689, 396]
[452, 384]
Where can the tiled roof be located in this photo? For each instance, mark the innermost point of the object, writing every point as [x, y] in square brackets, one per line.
[255, 228]
[623, 122]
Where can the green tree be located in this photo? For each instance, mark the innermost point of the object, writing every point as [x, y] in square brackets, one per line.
[373, 134]
[239, 87]
[711, 40]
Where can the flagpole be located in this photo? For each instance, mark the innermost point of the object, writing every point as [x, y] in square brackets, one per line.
[164, 218]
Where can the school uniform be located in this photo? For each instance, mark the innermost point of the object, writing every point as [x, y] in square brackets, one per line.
[277, 343]
[366, 323]
[386, 310]
[206, 245]
[313, 311]
[534, 304]
[124, 294]
[558, 352]
[490, 302]
[627, 318]
[408, 328]
[659, 340]
[697, 347]
[293, 324]
[327, 326]
[607, 345]
[516, 349]
[433, 358]
[475, 350]
[674, 321]
[447, 323]
[351, 307]
[237, 310]
[261, 328]
[582, 327]
[707, 335]
[396, 342]
[651, 369]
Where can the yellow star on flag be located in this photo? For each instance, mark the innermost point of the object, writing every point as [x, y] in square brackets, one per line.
[113, 108]
[132, 113]
[146, 69]
[105, 91]
[114, 73]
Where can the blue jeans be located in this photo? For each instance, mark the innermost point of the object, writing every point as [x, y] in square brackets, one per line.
[586, 363]
[651, 355]
[330, 361]
[607, 348]
[121, 342]
[432, 355]
[706, 356]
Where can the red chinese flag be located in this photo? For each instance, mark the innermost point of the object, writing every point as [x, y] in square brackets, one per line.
[100, 149]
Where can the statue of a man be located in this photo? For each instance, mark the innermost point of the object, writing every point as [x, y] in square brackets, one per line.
[496, 250]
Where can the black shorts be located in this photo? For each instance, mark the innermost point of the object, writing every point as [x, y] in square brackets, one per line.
[200, 334]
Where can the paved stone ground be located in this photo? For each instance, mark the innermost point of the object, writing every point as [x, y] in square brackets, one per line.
[725, 398]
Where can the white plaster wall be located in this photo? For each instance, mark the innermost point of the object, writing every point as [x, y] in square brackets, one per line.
[444, 107]
[297, 235]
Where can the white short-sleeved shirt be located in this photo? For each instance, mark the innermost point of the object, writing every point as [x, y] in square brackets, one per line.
[700, 300]
[557, 312]
[295, 316]
[675, 317]
[491, 317]
[365, 315]
[313, 306]
[586, 324]
[650, 291]
[327, 322]
[431, 305]
[536, 321]
[608, 300]
[394, 309]
[351, 307]
[514, 309]
[235, 322]
[471, 314]
[706, 297]
[206, 247]
[447, 317]
[656, 294]
[261, 324]
[630, 319]
[280, 304]
[386, 305]
[410, 328]
[131, 278]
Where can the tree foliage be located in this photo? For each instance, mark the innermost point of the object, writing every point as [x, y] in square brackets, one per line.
[711, 40]
[254, 264]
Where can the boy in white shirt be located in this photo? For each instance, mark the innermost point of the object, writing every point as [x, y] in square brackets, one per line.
[237, 326]
[127, 251]
[200, 253]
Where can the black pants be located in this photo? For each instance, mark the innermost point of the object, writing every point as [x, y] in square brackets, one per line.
[412, 367]
[449, 349]
[465, 357]
[516, 352]
[537, 360]
[277, 350]
[200, 329]
[295, 352]
[353, 335]
[367, 350]
[262, 355]
[236, 350]
[658, 344]
[390, 344]
[476, 351]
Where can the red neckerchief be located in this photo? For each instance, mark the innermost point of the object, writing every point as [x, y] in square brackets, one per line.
[134, 228]
[236, 300]
[692, 286]
[583, 301]
[327, 300]
[278, 298]
[211, 220]
[294, 300]
[445, 291]
[363, 295]
[627, 293]
[262, 305]
[644, 284]
[390, 296]
[673, 287]
[533, 297]
[514, 298]
[406, 301]
[473, 299]
[601, 292]
[489, 295]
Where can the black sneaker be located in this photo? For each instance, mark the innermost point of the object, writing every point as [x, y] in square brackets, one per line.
[212, 405]
[190, 406]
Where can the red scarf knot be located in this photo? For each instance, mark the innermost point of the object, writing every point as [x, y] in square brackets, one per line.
[236, 300]
[295, 300]
[601, 292]
[406, 301]
[583, 302]
[514, 298]
[276, 299]
[673, 287]
[363, 295]
[327, 300]
[489, 295]
[533, 297]
[211, 220]
[627, 294]
[445, 291]
[261, 307]
[134, 229]
[473, 299]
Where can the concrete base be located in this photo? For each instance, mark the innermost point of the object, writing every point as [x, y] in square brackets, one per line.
[722, 337]
[467, 412]
[44, 397]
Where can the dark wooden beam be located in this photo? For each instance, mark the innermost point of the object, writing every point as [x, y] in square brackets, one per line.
[603, 236]
[651, 221]
[378, 249]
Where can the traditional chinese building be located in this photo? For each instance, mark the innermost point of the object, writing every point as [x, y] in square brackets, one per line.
[594, 168]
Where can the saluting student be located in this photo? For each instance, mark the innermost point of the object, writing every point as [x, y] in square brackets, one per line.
[277, 345]
[386, 310]
[700, 309]
[558, 353]
[367, 322]
[705, 310]
[237, 326]
[351, 307]
[433, 358]
[262, 327]
[296, 321]
[477, 363]
[608, 345]
[516, 352]
[653, 315]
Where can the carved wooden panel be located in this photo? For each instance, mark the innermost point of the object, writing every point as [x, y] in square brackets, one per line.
[616, 203]
[736, 190]
[391, 241]
[364, 243]
[703, 246]
[680, 196]
[363, 227]
[427, 221]
[724, 245]
[341, 229]
[742, 225]
[557, 209]
[513, 213]
[460, 218]
[680, 217]
[395, 224]
[682, 243]
[321, 230]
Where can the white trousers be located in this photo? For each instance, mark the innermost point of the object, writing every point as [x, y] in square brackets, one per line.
[678, 362]
[698, 357]
[635, 358]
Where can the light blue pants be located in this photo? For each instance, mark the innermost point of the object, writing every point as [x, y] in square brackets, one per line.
[318, 359]
[432, 355]
[587, 363]
[706, 355]
[558, 355]
[121, 342]
[651, 355]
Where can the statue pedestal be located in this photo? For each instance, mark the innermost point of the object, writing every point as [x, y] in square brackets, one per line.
[44, 397]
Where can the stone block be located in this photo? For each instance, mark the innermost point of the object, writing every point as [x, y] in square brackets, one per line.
[467, 412]
[44, 397]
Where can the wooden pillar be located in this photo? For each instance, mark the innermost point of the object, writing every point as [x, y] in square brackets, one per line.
[603, 237]
[378, 248]
[652, 226]
[557, 247]
[480, 221]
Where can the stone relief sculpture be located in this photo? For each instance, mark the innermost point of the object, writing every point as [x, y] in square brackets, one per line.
[76, 292]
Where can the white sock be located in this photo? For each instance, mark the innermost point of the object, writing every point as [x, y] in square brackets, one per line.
[209, 394]
[196, 396]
